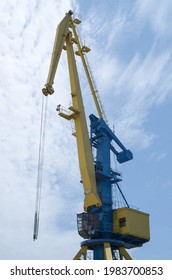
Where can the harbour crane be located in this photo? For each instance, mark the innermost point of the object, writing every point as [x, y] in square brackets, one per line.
[107, 231]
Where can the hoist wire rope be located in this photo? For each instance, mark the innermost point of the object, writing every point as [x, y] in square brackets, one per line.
[40, 165]
[122, 195]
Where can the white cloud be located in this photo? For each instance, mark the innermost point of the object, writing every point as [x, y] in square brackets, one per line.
[158, 15]
[131, 86]
[27, 34]
[158, 156]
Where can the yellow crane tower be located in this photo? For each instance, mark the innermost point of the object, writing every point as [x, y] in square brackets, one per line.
[106, 230]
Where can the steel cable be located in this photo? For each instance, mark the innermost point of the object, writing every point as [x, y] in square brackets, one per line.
[40, 166]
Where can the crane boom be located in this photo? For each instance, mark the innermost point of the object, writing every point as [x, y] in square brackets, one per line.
[81, 51]
[61, 33]
[86, 162]
[83, 143]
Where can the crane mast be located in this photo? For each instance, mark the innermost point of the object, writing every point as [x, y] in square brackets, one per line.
[106, 230]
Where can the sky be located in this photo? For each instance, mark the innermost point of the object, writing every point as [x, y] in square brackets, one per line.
[131, 55]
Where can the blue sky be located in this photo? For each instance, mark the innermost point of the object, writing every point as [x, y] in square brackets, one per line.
[131, 61]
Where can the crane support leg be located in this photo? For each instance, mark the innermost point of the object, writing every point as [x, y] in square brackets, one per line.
[107, 251]
[124, 253]
[82, 252]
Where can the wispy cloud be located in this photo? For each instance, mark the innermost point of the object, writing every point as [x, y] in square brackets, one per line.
[27, 34]
[133, 68]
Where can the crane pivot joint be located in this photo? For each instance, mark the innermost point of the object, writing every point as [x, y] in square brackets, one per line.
[48, 89]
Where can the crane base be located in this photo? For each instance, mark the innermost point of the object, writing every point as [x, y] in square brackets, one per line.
[102, 250]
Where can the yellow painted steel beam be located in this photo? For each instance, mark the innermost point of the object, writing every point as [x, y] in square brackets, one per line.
[82, 252]
[93, 90]
[107, 251]
[86, 162]
[124, 253]
[61, 33]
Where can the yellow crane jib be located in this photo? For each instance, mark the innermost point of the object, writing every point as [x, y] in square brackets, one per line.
[64, 36]
[61, 33]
